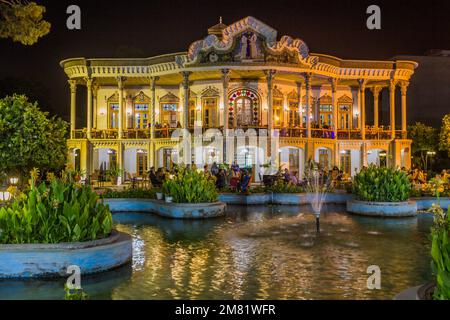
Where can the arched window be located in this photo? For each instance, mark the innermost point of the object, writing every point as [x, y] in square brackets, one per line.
[141, 108]
[345, 112]
[243, 108]
[113, 111]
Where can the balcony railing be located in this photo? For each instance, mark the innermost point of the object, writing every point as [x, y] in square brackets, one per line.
[319, 133]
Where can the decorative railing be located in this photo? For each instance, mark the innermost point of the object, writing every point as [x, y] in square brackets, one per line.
[318, 133]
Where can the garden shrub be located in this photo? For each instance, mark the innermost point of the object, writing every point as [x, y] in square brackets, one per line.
[381, 184]
[190, 186]
[138, 193]
[55, 213]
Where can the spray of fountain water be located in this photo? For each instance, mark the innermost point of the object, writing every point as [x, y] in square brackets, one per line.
[318, 184]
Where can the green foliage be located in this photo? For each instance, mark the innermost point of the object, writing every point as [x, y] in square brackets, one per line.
[190, 186]
[444, 136]
[74, 294]
[28, 138]
[440, 252]
[22, 21]
[137, 193]
[381, 184]
[279, 186]
[55, 213]
[425, 138]
[113, 172]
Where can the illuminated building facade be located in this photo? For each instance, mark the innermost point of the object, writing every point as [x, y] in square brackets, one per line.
[272, 101]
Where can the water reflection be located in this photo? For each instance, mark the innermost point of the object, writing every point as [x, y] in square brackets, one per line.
[263, 252]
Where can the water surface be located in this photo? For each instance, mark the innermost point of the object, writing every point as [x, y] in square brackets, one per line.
[257, 252]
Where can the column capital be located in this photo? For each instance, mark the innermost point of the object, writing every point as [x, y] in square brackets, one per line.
[404, 87]
[270, 74]
[225, 76]
[186, 75]
[153, 82]
[392, 84]
[73, 85]
[307, 76]
[376, 90]
[89, 82]
[334, 83]
[121, 81]
[362, 84]
[95, 87]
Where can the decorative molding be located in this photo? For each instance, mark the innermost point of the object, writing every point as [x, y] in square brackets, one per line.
[210, 91]
[345, 99]
[326, 99]
[169, 97]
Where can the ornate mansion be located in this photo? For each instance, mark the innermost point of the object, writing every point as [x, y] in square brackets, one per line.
[240, 94]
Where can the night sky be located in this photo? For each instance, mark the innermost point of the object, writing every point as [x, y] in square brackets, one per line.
[152, 27]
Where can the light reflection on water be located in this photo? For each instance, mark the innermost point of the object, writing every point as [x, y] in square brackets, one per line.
[258, 252]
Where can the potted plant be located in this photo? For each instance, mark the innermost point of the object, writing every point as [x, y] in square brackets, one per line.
[381, 191]
[113, 174]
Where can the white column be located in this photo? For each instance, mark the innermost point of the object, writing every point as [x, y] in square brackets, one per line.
[392, 85]
[73, 107]
[269, 77]
[299, 97]
[95, 88]
[307, 104]
[225, 82]
[89, 107]
[404, 89]
[185, 122]
[334, 84]
[120, 85]
[362, 107]
[376, 94]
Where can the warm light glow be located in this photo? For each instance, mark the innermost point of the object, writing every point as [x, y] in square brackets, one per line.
[102, 111]
[13, 180]
[5, 196]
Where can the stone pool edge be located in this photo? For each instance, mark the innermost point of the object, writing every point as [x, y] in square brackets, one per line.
[52, 260]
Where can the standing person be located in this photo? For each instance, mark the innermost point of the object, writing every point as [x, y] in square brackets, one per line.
[286, 176]
[245, 181]
[294, 178]
[235, 168]
[214, 169]
[221, 180]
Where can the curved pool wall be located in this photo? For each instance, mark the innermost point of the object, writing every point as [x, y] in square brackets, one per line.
[52, 260]
[281, 198]
[425, 203]
[170, 210]
[383, 209]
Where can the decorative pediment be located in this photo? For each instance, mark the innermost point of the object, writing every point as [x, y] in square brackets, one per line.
[277, 93]
[345, 99]
[293, 95]
[169, 98]
[210, 92]
[113, 98]
[326, 99]
[246, 41]
[141, 97]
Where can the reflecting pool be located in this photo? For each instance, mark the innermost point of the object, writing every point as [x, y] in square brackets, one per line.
[257, 252]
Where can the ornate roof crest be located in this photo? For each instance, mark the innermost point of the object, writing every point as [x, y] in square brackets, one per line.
[249, 40]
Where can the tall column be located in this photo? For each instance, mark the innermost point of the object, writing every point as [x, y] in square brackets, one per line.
[225, 83]
[308, 102]
[186, 92]
[299, 98]
[362, 107]
[120, 85]
[285, 110]
[334, 84]
[89, 107]
[73, 107]
[392, 85]
[95, 88]
[269, 77]
[404, 89]
[376, 94]
[153, 106]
